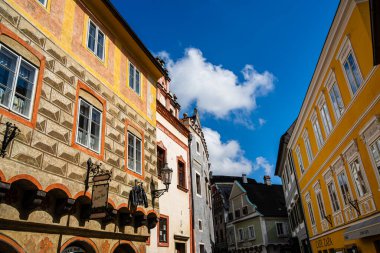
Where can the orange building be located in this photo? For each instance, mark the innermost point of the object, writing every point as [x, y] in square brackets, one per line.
[336, 139]
[78, 90]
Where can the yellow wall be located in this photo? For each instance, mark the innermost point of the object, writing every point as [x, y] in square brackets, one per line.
[65, 23]
[359, 110]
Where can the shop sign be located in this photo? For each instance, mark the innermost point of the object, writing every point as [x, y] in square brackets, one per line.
[324, 242]
[99, 200]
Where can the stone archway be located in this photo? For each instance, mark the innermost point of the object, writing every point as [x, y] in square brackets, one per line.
[124, 248]
[9, 246]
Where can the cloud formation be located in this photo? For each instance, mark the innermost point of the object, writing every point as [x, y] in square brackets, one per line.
[214, 89]
[227, 158]
[262, 121]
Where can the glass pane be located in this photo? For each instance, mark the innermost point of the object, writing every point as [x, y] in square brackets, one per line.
[95, 129]
[21, 105]
[131, 152]
[358, 178]
[96, 116]
[355, 70]
[8, 59]
[131, 75]
[350, 77]
[91, 37]
[94, 143]
[137, 84]
[100, 52]
[82, 137]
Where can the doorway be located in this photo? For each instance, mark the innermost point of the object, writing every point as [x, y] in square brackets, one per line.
[180, 247]
[124, 248]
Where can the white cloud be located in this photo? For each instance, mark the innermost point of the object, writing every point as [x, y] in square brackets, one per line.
[214, 89]
[262, 163]
[226, 158]
[262, 121]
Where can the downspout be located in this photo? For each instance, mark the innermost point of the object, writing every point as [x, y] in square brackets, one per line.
[192, 240]
[302, 209]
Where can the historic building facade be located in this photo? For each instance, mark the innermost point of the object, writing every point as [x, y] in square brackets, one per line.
[285, 170]
[336, 138]
[257, 218]
[202, 220]
[173, 232]
[78, 90]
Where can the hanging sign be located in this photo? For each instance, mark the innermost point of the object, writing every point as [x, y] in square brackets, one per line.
[99, 201]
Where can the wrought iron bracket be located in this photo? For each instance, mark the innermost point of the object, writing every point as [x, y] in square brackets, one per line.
[354, 203]
[97, 173]
[11, 131]
[157, 193]
[328, 218]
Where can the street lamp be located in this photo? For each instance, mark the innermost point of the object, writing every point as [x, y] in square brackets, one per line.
[166, 176]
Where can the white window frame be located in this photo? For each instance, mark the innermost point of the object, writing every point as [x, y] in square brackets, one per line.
[300, 161]
[134, 169]
[241, 234]
[92, 107]
[345, 50]
[310, 210]
[43, 2]
[317, 130]
[97, 30]
[200, 184]
[134, 84]
[19, 60]
[249, 233]
[340, 188]
[309, 151]
[325, 115]
[322, 211]
[366, 184]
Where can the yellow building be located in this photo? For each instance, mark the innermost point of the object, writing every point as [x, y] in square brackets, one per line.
[80, 88]
[336, 139]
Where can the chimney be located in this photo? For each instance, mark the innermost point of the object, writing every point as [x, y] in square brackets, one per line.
[267, 180]
[244, 178]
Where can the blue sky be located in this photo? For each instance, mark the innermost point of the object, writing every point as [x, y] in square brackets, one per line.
[246, 64]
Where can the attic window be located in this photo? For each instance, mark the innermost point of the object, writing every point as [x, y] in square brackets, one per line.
[245, 210]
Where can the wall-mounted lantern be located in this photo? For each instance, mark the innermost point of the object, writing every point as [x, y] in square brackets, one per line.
[11, 131]
[166, 177]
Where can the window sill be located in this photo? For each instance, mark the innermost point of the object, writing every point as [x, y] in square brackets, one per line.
[182, 188]
[163, 244]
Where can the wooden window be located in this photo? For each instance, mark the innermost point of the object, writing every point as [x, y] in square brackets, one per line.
[181, 174]
[18, 80]
[134, 78]
[161, 159]
[163, 231]
[95, 40]
[134, 153]
[198, 182]
[89, 126]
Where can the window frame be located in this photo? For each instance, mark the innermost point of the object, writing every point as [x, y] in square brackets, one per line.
[317, 131]
[342, 194]
[181, 185]
[310, 210]
[325, 116]
[135, 70]
[241, 234]
[198, 186]
[300, 161]
[332, 198]
[97, 30]
[364, 175]
[200, 225]
[19, 61]
[135, 152]
[249, 232]
[283, 234]
[159, 242]
[92, 107]
[44, 4]
[309, 150]
[160, 146]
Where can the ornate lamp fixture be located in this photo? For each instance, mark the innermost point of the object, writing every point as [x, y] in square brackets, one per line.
[166, 176]
[10, 133]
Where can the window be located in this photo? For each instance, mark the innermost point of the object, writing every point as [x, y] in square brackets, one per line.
[95, 40]
[198, 147]
[309, 152]
[333, 197]
[336, 100]
[326, 118]
[320, 205]
[163, 231]
[299, 158]
[202, 248]
[343, 184]
[251, 232]
[200, 227]
[88, 127]
[161, 159]
[241, 234]
[375, 151]
[318, 133]
[280, 229]
[181, 175]
[237, 213]
[134, 153]
[198, 182]
[134, 78]
[311, 213]
[43, 2]
[245, 210]
[230, 216]
[358, 177]
[18, 80]
[352, 72]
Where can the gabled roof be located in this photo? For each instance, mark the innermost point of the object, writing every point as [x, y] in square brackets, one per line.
[269, 199]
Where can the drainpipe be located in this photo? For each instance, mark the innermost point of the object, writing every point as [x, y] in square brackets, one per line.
[191, 193]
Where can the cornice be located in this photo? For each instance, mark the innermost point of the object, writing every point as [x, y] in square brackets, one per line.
[172, 119]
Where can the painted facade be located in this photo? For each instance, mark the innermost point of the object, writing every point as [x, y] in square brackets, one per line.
[335, 142]
[257, 219]
[200, 185]
[285, 170]
[175, 233]
[75, 98]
